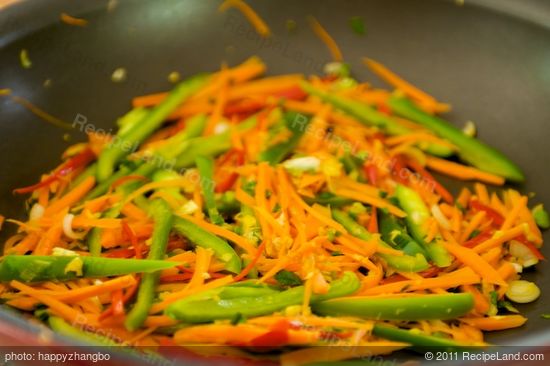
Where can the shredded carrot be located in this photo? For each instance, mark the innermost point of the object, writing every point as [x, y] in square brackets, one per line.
[79, 22]
[71, 197]
[325, 37]
[60, 308]
[418, 95]
[257, 22]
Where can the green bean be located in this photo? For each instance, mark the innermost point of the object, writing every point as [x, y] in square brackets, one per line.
[222, 250]
[371, 117]
[162, 216]
[470, 150]
[411, 308]
[128, 141]
[406, 263]
[205, 166]
[207, 310]
[417, 215]
[34, 268]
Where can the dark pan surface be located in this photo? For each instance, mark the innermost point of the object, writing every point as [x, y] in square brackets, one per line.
[492, 66]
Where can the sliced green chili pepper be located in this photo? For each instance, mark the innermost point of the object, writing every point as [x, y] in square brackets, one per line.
[297, 124]
[417, 215]
[207, 310]
[205, 166]
[411, 308]
[471, 150]
[416, 338]
[371, 117]
[406, 263]
[140, 130]
[222, 250]
[394, 233]
[210, 145]
[34, 268]
[162, 216]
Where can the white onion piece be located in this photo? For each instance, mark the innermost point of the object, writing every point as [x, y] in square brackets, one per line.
[440, 218]
[522, 292]
[68, 227]
[37, 211]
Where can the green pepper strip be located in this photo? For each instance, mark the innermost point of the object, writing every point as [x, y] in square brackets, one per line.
[172, 148]
[406, 263]
[542, 219]
[297, 123]
[207, 310]
[104, 186]
[371, 117]
[471, 150]
[417, 339]
[417, 214]
[34, 268]
[251, 230]
[212, 145]
[222, 250]
[394, 233]
[124, 144]
[205, 166]
[62, 327]
[162, 216]
[411, 308]
[329, 199]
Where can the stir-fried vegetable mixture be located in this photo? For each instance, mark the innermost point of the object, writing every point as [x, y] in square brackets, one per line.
[277, 211]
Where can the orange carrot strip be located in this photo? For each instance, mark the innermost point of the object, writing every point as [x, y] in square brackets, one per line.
[71, 197]
[410, 90]
[79, 22]
[463, 276]
[65, 311]
[463, 172]
[498, 322]
[257, 22]
[325, 37]
[84, 293]
[471, 259]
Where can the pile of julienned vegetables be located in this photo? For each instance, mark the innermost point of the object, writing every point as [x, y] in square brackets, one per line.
[278, 211]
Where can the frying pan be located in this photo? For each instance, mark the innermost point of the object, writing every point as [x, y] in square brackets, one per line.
[490, 59]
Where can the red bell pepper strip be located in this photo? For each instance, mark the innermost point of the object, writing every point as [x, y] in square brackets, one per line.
[399, 172]
[480, 238]
[80, 160]
[491, 213]
[384, 108]
[277, 336]
[130, 292]
[371, 173]
[234, 158]
[244, 106]
[444, 193]
[131, 236]
[294, 93]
